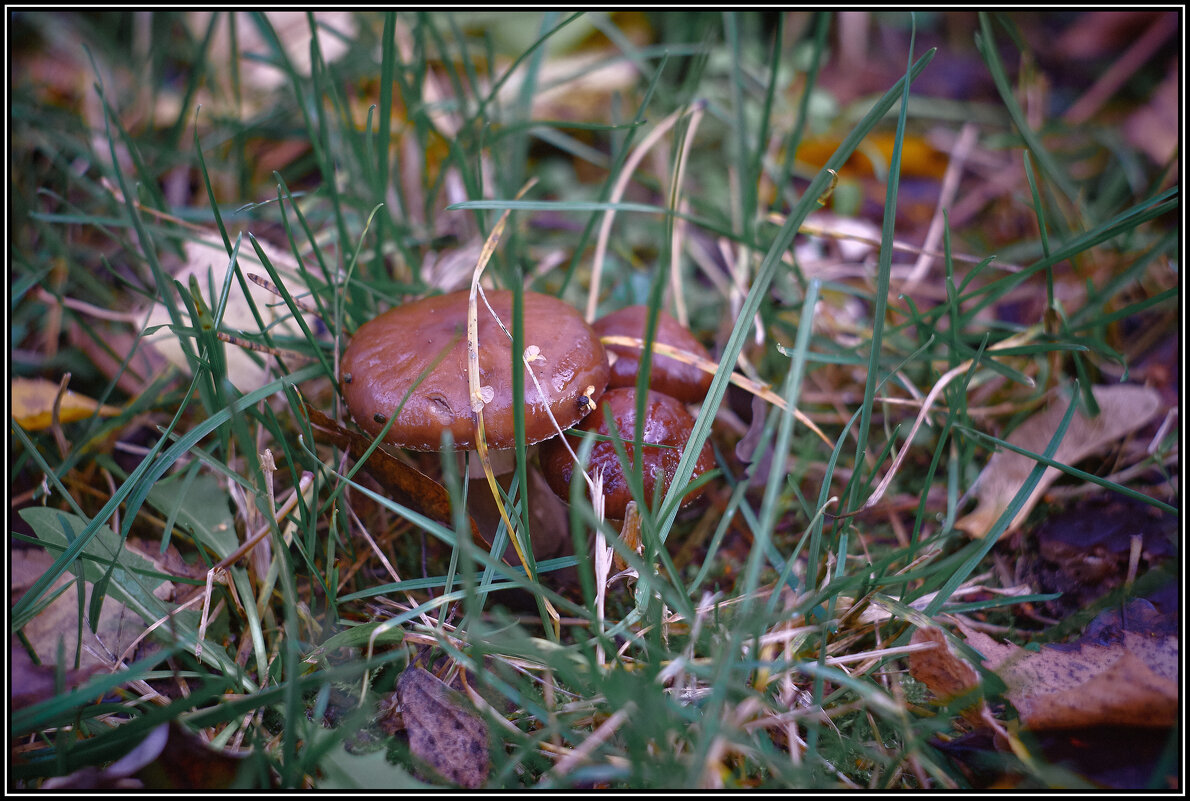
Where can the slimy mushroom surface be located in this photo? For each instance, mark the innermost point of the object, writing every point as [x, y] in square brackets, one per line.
[683, 381]
[667, 424]
[420, 349]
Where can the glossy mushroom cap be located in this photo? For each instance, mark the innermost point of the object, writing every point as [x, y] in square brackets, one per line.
[683, 381]
[666, 423]
[390, 353]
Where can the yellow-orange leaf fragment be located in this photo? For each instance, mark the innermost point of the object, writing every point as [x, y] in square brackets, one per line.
[33, 404]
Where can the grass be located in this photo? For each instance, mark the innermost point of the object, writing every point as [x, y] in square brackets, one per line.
[760, 642]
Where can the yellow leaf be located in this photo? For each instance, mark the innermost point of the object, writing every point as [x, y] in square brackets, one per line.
[33, 404]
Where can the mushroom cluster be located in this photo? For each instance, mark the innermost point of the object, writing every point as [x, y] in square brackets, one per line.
[407, 370]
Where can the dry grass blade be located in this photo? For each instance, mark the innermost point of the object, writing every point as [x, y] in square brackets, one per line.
[708, 366]
[481, 395]
[267, 285]
[928, 403]
[609, 216]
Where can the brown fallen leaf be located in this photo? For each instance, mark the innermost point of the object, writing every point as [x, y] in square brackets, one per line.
[1148, 129]
[1123, 408]
[1131, 680]
[919, 159]
[443, 731]
[207, 262]
[33, 404]
[119, 354]
[185, 761]
[1087, 548]
[31, 683]
[942, 670]
[58, 624]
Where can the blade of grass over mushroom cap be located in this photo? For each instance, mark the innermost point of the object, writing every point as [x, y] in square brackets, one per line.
[477, 396]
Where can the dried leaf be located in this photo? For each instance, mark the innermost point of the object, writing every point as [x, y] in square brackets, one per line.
[1086, 548]
[119, 354]
[919, 159]
[169, 758]
[942, 670]
[1123, 409]
[335, 30]
[1132, 681]
[443, 731]
[118, 626]
[31, 683]
[1153, 128]
[207, 262]
[186, 761]
[33, 404]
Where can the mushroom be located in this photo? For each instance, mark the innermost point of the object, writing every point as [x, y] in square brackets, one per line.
[667, 423]
[420, 350]
[677, 379]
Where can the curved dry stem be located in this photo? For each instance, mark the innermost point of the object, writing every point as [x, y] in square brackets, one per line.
[618, 188]
[711, 367]
[928, 403]
[479, 397]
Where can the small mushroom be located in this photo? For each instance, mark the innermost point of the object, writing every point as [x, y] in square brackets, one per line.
[667, 423]
[677, 379]
[425, 343]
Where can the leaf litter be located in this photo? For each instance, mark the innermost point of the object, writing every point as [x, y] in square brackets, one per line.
[1123, 409]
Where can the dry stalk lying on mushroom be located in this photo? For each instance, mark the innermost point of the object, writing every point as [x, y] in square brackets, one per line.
[405, 373]
[408, 365]
[420, 349]
[666, 424]
[675, 378]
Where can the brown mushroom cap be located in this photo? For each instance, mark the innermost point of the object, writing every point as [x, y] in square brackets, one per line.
[666, 423]
[388, 354]
[683, 381]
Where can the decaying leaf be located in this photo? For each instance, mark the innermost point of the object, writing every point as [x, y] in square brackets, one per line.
[918, 156]
[207, 262]
[1087, 549]
[31, 683]
[33, 404]
[1123, 408]
[1112, 676]
[169, 758]
[443, 731]
[117, 628]
[334, 29]
[948, 675]
[185, 761]
[1131, 681]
